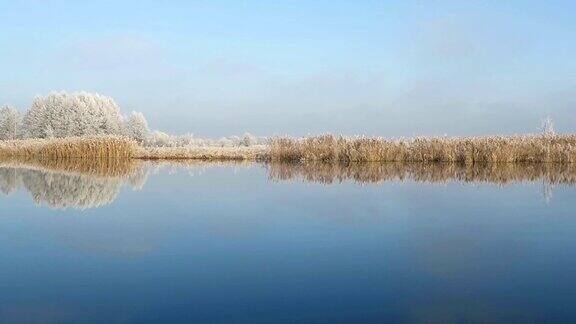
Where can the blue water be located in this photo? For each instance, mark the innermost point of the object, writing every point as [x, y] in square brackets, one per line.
[228, 244]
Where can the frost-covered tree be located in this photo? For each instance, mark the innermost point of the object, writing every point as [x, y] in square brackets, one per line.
[185, 140]
[62, 114]
[248, 140]
[225, 142]
[547, 127]
[137, 127]
[10, 123]
[235, 140]
[158, 139]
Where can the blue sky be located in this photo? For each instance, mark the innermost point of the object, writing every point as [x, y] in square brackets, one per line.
[215, 68]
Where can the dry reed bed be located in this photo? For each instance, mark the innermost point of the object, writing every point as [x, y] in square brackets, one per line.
[253, 153]
[326, 149]
[103, 156]
[89, 147]
[376, 172]
[466, 150]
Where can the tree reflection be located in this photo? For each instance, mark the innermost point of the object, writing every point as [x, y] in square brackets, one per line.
[84, 184]
[78, 184]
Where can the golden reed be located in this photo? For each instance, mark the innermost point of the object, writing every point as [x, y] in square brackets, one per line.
[326, 149]
[466, 150]
[104, 156]
[88, 147]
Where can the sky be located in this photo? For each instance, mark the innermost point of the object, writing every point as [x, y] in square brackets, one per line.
[218, 68]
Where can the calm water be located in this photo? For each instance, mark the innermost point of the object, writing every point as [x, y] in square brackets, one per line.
[261, 244]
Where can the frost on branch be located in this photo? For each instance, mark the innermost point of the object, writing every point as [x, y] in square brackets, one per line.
[10, 123]
[62, 115]
[547, 127]
[249, 140]
[137, 127]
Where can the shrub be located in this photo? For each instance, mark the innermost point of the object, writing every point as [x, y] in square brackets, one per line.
[158, 138]
[137, 127]
[161, 139]
[248, 140]
[225, 142]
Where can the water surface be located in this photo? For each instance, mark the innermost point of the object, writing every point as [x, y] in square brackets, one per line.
[252, 243]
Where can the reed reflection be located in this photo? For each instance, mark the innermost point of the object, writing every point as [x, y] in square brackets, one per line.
[497, 173]
[83, 184]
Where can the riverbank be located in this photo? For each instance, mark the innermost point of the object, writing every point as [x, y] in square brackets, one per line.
[325, 149]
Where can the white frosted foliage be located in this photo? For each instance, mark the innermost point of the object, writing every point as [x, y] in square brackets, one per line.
[137, 127]
[10, 123]
[60, 114]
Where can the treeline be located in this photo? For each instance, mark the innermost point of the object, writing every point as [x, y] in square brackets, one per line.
[60, 115]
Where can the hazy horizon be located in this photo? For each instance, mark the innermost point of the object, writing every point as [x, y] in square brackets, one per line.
[394, 68]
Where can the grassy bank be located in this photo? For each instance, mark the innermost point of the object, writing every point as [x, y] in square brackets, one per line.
[467, 150]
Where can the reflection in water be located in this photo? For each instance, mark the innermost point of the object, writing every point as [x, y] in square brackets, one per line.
[65, 190]
[79, 184]
[502, 173]
[83, 184]
[406, 253]
[9, 180]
